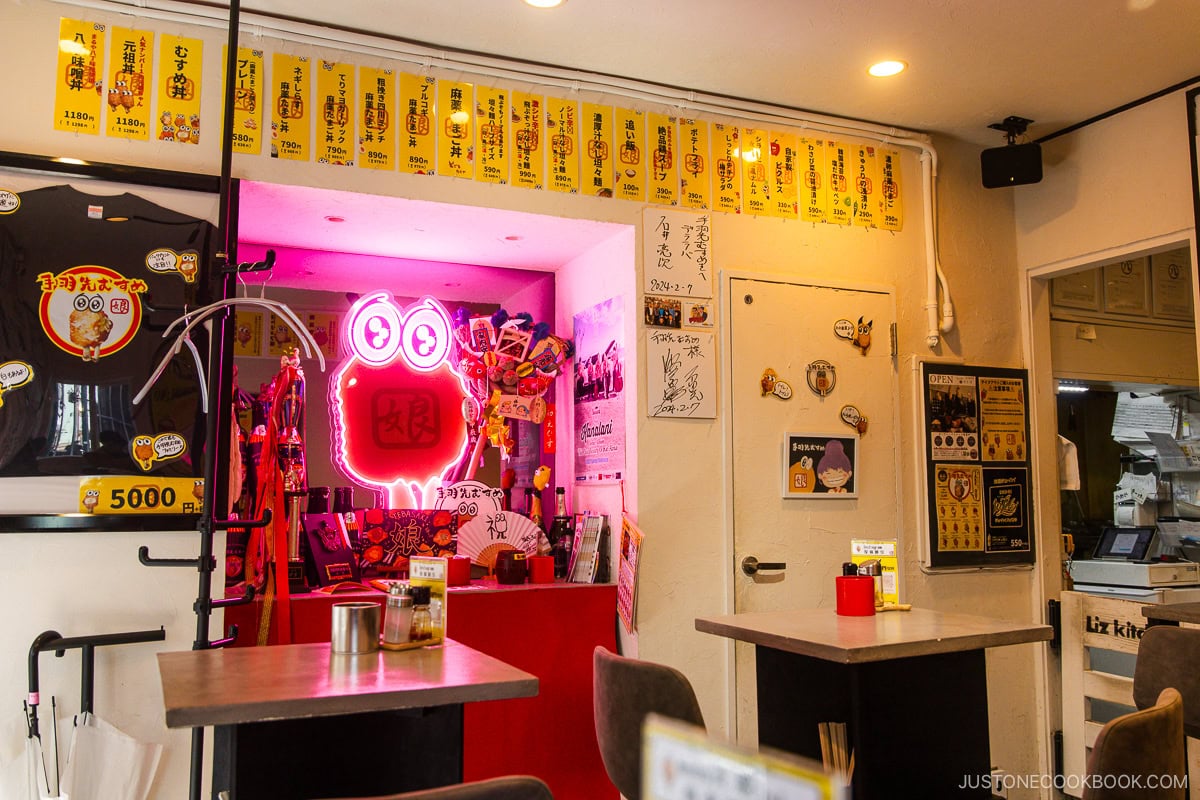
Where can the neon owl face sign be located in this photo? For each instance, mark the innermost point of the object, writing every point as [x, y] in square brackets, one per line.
[397, 401]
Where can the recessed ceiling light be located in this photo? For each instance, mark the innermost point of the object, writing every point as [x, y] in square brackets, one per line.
[544, 3]
[885, 69]
[335, 219]
[513, 238]
[452, 284]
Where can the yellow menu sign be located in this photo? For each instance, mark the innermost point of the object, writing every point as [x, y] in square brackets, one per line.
[838, 195]
[77, 85]
[755, 153]
[180, 67]
[664, 172]
[491, 137]
[866, 185]
[418, 108]
[597, 169]
[630, 135]
[377, 107]
[131, 76]
[784, 151]
[335, 113]
[527, 147]
[891, 210]
[247, 100]
[455, 137]
[812, 198]
[562, 130]
[129, 494]
[695, 179]
[291, 112]
[727, 169]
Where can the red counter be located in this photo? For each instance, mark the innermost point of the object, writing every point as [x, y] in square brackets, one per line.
[549, 630]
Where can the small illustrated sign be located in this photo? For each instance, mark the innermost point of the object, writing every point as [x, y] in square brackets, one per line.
[13, 375]
[149, 450]
[90, 311]
[820, 465]
[122, 494]
[10, 201]
[185, 264]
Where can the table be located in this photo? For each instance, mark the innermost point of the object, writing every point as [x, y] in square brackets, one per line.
[295, 721]
[1172, 613]
[910, 686]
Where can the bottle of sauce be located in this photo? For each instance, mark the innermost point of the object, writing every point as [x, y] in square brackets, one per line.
[560, 534]
[421, 627]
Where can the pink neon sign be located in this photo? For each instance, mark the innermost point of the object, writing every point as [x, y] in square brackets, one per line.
[397, 402]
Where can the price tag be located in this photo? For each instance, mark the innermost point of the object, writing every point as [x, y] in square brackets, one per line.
[136, 495]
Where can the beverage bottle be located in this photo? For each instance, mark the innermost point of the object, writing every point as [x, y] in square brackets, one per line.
[560, 534]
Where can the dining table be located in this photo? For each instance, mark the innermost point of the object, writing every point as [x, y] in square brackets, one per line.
[910, 687]
[299, 721]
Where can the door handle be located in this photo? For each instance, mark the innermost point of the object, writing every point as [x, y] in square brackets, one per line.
[751, 565]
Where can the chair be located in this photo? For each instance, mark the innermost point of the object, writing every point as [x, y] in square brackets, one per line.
[1137, 752]
[512, 787]
[1167, 656]
[624, 691]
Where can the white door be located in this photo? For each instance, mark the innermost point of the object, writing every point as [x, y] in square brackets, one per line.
[787, 327]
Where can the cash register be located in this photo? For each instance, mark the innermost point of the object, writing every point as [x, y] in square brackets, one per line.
[1123, 563]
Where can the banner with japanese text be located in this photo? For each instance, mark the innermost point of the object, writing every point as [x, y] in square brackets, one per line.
[377, 116]
[131, 68]
[839, 198]
[77, 100]
[456, 136]
[664, 170]
[813, 199]
[180, 71]
[695, 174]
[784, 147]
[335, 117]
[630, 135]
[562, 129]
[291, 112]
[891, 210]
[727, 170]
[866, 185]
[249, 81]
[756, 185]
[491, 137]
[526, 142]
[418, 143]
[596, 174]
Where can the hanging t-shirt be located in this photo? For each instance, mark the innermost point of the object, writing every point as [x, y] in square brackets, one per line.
[88, 284]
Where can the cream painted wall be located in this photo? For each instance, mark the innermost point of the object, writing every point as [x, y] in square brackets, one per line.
[681, 474]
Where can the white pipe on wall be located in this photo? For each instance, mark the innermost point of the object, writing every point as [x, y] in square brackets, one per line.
[939, 322]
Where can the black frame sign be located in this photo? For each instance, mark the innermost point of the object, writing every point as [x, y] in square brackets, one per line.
[975, 431]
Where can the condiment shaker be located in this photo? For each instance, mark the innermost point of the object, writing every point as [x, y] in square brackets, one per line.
[397, 620]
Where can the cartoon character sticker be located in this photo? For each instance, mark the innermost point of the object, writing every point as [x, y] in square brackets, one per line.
[858, 334]
[147, 450]
[820, 465]
[90, 311]
[164, 259]
[9, 201]
[13, 375]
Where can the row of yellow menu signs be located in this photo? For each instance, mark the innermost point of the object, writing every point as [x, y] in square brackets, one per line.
[348, 115]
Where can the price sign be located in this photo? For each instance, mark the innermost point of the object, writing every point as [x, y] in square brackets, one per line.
[136, 495]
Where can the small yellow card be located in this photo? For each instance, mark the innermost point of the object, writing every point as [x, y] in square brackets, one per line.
[127, 494]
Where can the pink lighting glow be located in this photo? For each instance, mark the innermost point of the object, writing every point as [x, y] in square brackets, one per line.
[397, 401]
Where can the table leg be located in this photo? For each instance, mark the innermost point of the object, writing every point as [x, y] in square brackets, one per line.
[918, 726]
[377, 753]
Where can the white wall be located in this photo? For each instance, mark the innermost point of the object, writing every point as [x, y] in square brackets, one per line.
[681, 470]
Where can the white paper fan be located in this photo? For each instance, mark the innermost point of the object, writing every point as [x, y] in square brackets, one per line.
[486, 535]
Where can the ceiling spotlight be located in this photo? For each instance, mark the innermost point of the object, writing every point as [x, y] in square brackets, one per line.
[886, 69]
[544, 3]
[335, 219]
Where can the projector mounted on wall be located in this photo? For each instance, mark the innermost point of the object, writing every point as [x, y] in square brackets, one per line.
[1014, 164]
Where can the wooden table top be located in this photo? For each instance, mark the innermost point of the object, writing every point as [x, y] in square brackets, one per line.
[1173, 612]
[821, 633]
[258, 684]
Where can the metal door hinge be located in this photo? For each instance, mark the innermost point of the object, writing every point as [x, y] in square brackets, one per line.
[895, 345]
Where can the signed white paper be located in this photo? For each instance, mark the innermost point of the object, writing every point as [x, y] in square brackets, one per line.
[676, 253]
[681, 374]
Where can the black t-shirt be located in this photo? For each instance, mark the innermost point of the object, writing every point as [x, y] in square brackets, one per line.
[87, 286]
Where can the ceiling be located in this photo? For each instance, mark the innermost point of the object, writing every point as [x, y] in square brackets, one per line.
[972, 62]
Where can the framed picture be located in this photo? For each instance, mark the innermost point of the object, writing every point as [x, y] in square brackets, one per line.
[1078, 290]
[1171, 278]
[1127, 287]
[820, 465]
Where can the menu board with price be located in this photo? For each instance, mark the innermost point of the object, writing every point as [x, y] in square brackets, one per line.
[977, 467]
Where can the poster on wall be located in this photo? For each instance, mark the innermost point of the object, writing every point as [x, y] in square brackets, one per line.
[977, 468]
[600, 392]
[819, 465]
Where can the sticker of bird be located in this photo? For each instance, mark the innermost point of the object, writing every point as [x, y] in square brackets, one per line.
[862, 335]
[198, 489]
[143, 452]
[91, 499]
